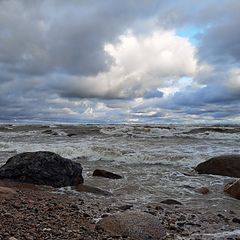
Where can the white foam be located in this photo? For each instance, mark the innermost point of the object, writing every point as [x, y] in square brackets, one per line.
[152, 168]
[219, 235]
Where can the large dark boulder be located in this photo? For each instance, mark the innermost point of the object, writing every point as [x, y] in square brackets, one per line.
[225, 165]
[134, 225]
[43, 168]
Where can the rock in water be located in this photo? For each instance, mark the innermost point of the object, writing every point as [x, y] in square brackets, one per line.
[106, 174]
[202, 190]
[43, 168]
[226, 165]
[90, 189]
[134, 225]
[233, 189]
[171, 202]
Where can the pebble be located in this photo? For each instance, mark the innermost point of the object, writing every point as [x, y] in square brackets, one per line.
[47, 229]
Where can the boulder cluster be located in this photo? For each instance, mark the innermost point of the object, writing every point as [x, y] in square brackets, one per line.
[225, 165]
[47, 168]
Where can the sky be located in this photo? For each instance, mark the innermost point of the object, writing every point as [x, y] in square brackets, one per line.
[128, 61]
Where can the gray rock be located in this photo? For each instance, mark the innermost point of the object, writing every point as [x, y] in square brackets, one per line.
[106, 174]
[225, 165]
[134, 225]
[236, 220]
[43, 168]
[50, 132]
[201, 190]
[171, 202]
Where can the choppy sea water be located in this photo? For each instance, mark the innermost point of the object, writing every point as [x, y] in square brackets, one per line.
[156, 161]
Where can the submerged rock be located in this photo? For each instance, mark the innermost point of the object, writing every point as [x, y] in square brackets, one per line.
[171, 202]
[71, 134]
[106, 174]
[202, 190]
[233, 189]
[226, 165]
[50, 132]
[134, 225]
[236, 220]
[43, 168]
[90, 189]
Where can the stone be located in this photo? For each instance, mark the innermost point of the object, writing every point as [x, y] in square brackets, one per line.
[225, 165]
[134, 225]
[90, 189]
[50, 132]
[233, 189]
[202, 190]
[125, 207]
[6, 192]
[43, 168]
[106, 174]
[71, 134]
[171, 202]
[236, 220]
[159, 208]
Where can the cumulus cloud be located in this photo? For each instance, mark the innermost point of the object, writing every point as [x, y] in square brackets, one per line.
[69, 37]
[140, 64]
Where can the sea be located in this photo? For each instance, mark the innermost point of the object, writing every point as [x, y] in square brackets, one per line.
[156, 161]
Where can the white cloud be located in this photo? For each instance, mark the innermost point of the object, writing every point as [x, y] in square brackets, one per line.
[140, 63]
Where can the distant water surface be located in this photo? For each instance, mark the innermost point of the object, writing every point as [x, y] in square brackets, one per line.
[156, 161]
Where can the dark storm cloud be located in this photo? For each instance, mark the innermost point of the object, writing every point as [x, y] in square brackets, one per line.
[62, 36]
[211, 101]
[40, 40]
[220, 44]
[210, 94]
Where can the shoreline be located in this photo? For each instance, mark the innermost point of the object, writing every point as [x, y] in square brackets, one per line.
[42, 212]
[156, 164]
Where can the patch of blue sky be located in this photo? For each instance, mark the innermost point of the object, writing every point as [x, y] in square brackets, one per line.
[191, 32]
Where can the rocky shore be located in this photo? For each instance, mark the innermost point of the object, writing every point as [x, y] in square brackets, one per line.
[29, 209]
[39, 212]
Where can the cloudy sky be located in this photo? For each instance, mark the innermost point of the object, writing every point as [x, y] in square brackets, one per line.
[153, 61]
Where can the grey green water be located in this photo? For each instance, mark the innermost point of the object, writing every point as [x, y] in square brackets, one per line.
[156, 161]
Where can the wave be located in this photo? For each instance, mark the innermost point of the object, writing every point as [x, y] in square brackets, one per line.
[213, 129]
